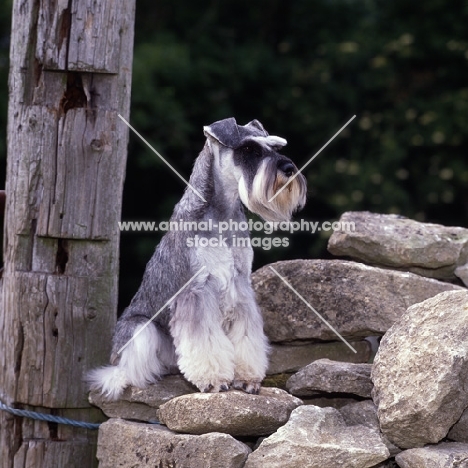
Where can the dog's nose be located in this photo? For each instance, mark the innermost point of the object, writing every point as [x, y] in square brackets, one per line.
[286, 167]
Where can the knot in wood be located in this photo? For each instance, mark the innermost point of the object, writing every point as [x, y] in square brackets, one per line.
[97, 145]
[91, 314]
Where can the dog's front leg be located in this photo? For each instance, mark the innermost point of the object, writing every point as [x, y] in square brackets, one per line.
[205, 355]
[250, 343]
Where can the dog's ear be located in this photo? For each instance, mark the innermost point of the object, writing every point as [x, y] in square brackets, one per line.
[228, 133]
[256, 125]
[225, 132]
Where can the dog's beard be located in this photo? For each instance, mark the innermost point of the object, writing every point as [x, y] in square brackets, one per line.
[267, 182]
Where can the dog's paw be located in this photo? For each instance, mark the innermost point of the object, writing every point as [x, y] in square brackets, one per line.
[213, 387]
[248, 386]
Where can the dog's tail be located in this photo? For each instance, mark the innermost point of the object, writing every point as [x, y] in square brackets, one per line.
[139, 364]
[111, 381]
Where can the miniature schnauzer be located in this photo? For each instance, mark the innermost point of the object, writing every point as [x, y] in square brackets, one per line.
[213, 330]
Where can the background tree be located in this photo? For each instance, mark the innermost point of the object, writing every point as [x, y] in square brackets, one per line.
[67, 151]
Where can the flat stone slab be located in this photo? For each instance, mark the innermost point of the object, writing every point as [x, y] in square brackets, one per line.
[394, 241]
[316, 438]
[329, 376]
[290, 358]
[419, 369]
[127, 444]
[365, 413]
[444, 455]
[233, 412]
[142, 404]
[355, 299]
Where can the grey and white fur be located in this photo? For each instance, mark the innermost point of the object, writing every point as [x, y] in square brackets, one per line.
[213, 330]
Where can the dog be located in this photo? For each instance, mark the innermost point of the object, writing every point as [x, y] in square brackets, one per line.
[212, 328]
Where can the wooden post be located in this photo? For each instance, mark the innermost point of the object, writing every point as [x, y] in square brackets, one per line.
[70, 77]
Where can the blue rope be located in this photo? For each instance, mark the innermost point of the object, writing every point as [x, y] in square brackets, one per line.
[48, 417]
[52, 418]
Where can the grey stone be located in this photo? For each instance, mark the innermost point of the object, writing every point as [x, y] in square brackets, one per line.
[394, 241]
[444, 455]
[292, 357]
[234, 412]
[356, 300]
[127, 444]
[365, 413]
[333, 400]
[420, 372]
[329, 376]
[316, 438]
[459, 432]
[462, 273]
[142, 404]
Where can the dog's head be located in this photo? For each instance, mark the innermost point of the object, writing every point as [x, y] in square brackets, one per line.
[249, 158]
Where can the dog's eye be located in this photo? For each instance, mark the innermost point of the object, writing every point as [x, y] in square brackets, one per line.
[251, 151]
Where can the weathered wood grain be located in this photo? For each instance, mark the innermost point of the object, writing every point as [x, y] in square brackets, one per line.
[64, 330]
[80, 36]
[79, 203]
[70, 77]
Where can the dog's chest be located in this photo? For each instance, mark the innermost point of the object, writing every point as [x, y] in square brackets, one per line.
[228, 267]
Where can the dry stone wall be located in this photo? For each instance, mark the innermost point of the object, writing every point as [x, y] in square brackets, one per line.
[407, 408]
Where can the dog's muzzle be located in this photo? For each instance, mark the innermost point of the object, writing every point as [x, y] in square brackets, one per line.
[268, 198]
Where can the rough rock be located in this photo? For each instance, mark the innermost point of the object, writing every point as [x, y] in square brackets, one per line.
[332, 400]
[444, 455]
[329, 376]
[356, 299]
[234, 412]
[394, 241]
[365, 413]
[292, 357]
[459, 431]
[462, 273]
[316, 438]
[420, 372]
[142, 404]
[127, 444]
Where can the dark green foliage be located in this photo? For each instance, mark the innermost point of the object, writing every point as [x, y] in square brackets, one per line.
[303, 68]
